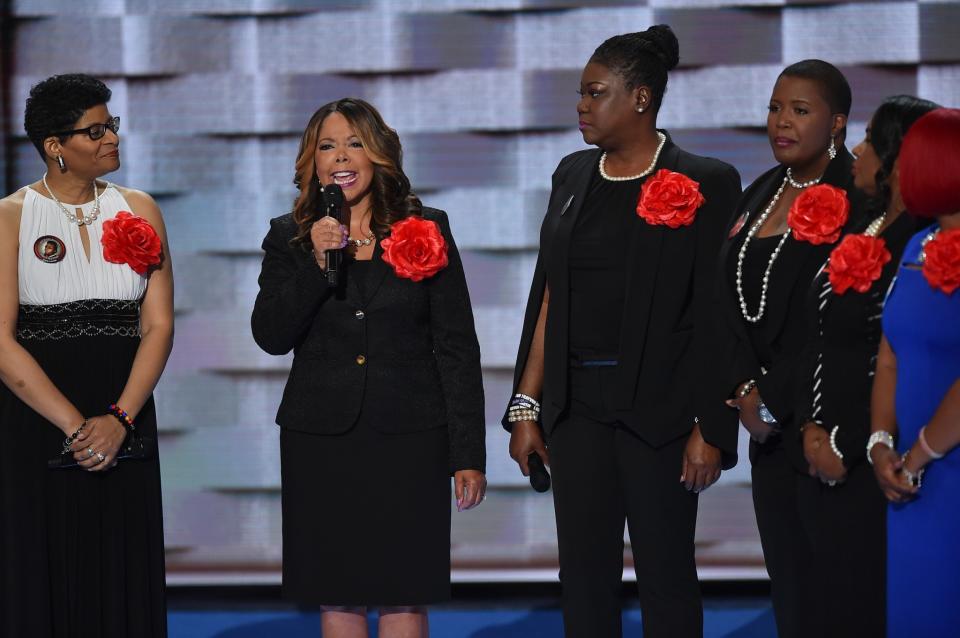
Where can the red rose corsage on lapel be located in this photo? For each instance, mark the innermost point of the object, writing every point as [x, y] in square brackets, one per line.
[669, 199]
[818, 214]
[129, 239]
[415, 248]
[856, 263]
[941, 260]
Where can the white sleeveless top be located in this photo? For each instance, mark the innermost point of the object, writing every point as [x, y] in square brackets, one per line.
[74, 277]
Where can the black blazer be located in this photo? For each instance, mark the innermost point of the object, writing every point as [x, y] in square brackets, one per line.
[666, 314]
[404, 351]
[785, 321]
[841, 348]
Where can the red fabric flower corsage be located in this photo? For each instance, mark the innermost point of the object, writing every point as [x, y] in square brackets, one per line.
[415, 248]
[857, 262]
[818, 214]
[941, 266]
[128, 239]
[669, 199]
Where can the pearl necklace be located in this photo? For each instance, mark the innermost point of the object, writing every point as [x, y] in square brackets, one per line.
[366, 241]
[773, 257]
[647, 171]
[86, 220]
[874, 228]
[801, 185]
[923, 245]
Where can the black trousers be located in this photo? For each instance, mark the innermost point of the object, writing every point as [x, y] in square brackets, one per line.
[824, 547]
[604, 476]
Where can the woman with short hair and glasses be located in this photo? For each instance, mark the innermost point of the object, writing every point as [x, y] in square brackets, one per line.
[86, 326]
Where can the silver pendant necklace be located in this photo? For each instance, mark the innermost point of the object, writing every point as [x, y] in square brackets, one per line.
[647, 171]
[85, 220]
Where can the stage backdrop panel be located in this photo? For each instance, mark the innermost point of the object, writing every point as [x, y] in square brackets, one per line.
[213, 95]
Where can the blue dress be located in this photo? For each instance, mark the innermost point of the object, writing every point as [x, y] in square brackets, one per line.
[922, 325]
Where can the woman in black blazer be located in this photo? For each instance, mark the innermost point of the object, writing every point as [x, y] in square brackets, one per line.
[613, 343]
[385, 399]
[844, 511]
[766, 269]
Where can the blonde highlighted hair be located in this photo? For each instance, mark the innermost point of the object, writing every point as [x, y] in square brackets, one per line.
[391, 197]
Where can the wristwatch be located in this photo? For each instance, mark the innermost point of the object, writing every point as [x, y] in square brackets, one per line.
[764, 413]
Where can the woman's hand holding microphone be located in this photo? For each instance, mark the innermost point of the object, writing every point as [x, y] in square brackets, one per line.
[327, 234]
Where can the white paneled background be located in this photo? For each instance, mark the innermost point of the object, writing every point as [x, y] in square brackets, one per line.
[214, 94]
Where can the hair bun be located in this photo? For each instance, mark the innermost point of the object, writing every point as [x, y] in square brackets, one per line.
[661, 41]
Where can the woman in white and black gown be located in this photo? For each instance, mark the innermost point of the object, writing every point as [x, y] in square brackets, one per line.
[86, 326]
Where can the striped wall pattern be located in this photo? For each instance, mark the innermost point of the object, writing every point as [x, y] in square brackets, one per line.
[213, 95]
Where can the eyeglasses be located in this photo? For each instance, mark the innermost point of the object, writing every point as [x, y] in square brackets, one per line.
[95, 131]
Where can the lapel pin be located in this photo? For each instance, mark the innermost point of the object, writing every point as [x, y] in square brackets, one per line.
[566, 205]
[49, 249]
[739, 225]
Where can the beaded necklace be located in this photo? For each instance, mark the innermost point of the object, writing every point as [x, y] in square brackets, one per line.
[646, 171]
[85, 220]
[751, 233]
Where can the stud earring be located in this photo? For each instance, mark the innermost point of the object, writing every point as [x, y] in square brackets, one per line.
[639, 109]
[832, 150]
[63, 167]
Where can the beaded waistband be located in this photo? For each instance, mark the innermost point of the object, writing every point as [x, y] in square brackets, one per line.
[84, 318]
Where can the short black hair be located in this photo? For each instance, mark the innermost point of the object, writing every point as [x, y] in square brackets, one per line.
[642, 59]
[836, 89]
[55, 105]
[890, 122]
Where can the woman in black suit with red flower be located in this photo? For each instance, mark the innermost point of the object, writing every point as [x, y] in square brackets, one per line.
[385, 398]
[844, 513]
[784, 227]
[614, 340]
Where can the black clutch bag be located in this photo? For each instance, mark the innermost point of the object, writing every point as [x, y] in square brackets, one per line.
[134, 447]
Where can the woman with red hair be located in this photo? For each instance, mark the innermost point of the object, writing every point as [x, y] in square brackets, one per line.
[916, 393]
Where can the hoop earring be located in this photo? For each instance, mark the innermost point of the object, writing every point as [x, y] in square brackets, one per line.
[63, 167]
[832, 149]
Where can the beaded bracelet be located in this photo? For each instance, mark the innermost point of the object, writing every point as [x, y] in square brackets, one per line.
[73, 437]
[915, 479]
[833, 442]
[881, 437]
[122, 416]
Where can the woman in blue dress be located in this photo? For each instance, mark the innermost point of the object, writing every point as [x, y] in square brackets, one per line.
[916, 393]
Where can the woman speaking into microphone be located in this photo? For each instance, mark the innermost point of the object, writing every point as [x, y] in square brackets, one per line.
[385, 398]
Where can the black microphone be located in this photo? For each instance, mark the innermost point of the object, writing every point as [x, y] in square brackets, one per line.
[539, 477]
[333, 203]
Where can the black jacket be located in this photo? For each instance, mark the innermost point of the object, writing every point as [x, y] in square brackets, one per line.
[785, 322]
[839, 359]
[404, 351]
[665, 324]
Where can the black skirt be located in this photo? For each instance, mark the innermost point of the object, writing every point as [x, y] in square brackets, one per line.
[81, 552]
[366, 517]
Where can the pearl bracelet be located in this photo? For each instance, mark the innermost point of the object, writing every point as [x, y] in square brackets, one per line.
[515, 416]
[833, 442]
[882, 437]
